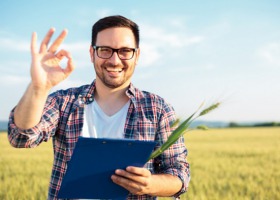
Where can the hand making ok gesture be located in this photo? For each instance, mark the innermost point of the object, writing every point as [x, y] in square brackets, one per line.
[46, 71]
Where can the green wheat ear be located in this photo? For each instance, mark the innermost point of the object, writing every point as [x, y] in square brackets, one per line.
[209, 109]
[182, 129]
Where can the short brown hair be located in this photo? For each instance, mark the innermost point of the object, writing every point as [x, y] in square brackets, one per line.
[114, 21]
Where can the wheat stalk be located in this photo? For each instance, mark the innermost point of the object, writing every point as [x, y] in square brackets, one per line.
[183, 128]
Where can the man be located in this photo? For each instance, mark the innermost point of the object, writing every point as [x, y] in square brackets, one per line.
[111, 102]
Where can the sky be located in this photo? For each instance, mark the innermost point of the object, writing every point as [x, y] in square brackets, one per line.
[191, 51]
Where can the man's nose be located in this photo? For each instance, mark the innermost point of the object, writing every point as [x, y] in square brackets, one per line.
[115, 60]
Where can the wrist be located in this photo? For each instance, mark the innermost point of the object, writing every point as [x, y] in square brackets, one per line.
[164, 185]
[39, 91]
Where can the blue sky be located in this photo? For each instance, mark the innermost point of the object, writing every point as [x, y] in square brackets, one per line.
[191, 52]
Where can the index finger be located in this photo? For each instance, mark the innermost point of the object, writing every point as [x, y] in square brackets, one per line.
[46, 40]
[34, 43]
[58, 41]
[138, 171]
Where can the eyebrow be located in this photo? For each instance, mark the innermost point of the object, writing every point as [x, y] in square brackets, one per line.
[116, 48]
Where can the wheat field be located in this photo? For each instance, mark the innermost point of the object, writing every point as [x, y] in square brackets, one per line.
[240, 163]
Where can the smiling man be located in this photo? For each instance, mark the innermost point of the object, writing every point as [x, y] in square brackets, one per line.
[109, 107]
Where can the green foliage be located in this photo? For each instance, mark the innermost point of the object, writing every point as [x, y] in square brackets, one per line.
[265, 124]
[202, 127]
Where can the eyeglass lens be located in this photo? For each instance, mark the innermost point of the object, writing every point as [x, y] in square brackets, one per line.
[107, 52]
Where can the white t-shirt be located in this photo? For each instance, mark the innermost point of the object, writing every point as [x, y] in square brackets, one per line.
[99, 125]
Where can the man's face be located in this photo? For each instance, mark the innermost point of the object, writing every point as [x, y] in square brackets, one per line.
[114, 72]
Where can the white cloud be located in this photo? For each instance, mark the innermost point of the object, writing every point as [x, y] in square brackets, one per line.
[160, 42]
[77, 46]
[149, 54]
[271, 53]
[11, 66]
[14, 45]
[80, 53]
[166, 37]
[103, 13]
[12, 80]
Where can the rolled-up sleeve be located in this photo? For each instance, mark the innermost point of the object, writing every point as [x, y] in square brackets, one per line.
[173, 160]
[43, 131]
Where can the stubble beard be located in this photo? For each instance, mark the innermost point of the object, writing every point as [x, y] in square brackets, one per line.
[109, 81]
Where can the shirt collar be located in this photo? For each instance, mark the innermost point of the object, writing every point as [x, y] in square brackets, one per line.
[131, 91]
[87, 94]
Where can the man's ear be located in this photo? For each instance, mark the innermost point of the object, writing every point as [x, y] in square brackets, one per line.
[137, 56]
[91, 52]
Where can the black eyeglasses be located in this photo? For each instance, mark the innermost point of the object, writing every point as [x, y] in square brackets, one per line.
[107, 52]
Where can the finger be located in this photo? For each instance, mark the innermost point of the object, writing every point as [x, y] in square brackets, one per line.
[46, 40]
[140, 171]
[62, 53]
[58, 41]
[70, 66]
[131, 186]
[130, 176]
[34, 43]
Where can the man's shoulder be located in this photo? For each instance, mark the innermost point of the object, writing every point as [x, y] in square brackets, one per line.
[149, 102]
[150, 98]
[150, 95]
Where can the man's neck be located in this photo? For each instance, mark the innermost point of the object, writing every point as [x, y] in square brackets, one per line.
[111, 100]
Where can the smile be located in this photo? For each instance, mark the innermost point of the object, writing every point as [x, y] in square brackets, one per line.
[114, 69]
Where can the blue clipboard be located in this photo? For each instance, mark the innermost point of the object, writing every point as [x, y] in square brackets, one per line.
[94, 161]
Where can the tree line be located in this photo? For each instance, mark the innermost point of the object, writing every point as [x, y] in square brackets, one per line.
[264, 124]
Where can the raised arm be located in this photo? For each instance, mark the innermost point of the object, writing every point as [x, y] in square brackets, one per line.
[46, 72]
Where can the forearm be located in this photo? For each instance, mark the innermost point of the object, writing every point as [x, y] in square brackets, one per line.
[46, 72]
[165, 185]
[29, 110]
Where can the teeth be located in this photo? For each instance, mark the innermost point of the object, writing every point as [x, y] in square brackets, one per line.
[114, 70]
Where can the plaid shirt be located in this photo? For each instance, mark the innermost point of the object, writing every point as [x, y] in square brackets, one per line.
[149, 118]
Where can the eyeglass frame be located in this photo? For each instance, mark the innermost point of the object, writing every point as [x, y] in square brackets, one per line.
[115, 50]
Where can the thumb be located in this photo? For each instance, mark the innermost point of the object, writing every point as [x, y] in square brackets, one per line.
[70, 66]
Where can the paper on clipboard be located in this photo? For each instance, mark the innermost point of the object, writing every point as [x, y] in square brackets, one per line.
[94, 160]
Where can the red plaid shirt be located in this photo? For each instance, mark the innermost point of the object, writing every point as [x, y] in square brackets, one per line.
[149, 118]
